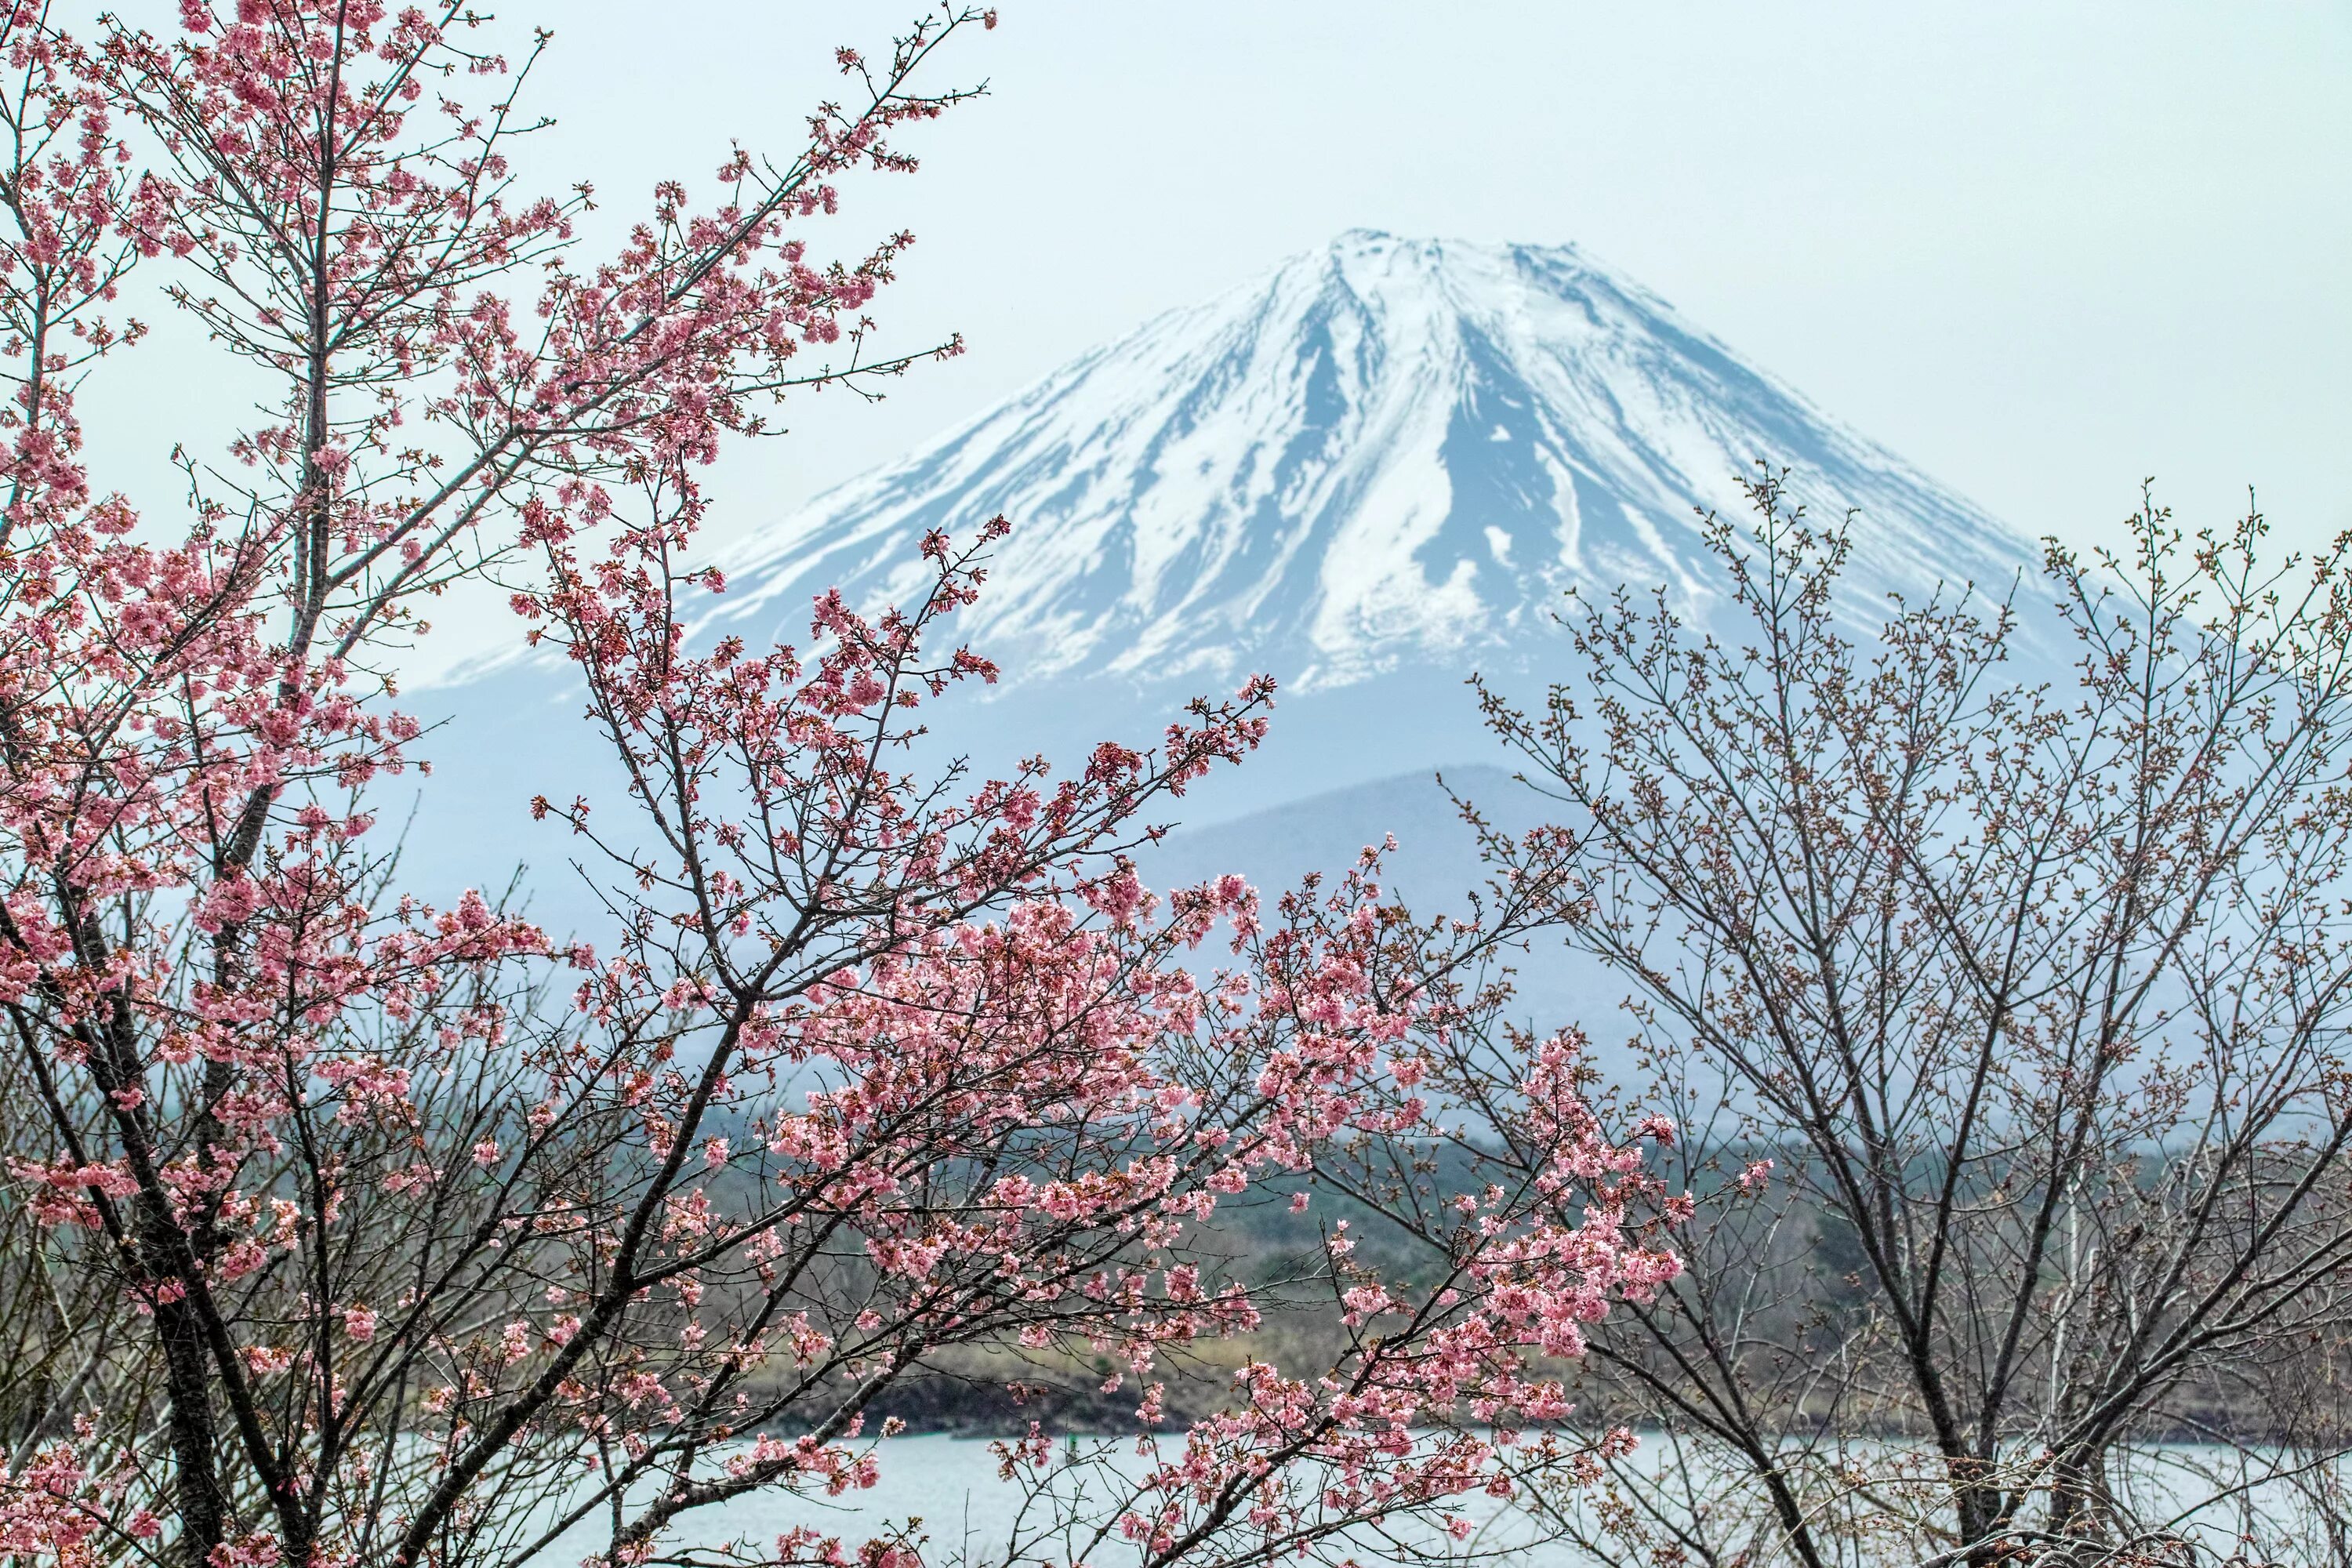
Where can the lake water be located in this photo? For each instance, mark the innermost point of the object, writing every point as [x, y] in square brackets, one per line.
[967, 1512]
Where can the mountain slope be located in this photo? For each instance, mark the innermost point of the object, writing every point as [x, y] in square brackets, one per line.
[1383, 453]
[1368, 472]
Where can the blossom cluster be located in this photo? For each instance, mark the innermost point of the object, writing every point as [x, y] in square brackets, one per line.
[407, 1232]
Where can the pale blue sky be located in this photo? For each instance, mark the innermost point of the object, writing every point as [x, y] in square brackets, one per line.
[2041, 249]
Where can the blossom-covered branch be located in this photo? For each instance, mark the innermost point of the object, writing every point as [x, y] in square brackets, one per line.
[418, 1235]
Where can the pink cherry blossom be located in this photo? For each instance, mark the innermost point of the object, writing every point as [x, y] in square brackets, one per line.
[394, 1212]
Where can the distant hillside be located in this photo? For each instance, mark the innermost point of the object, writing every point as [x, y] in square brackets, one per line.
[1434, 864]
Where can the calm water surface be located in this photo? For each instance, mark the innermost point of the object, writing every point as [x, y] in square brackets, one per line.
[951, 1485]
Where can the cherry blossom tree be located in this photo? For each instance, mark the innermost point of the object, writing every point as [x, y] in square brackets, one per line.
[346, 1229]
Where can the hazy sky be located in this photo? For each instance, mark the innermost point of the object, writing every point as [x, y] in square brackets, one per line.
[2041, 249]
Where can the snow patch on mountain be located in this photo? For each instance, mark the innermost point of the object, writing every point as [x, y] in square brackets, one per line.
[1384, 452]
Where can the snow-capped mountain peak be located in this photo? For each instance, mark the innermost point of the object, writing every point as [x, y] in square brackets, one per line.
[1381, 453]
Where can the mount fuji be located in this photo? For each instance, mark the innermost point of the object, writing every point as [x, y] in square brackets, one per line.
[1369, 472]
[1382, 454]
